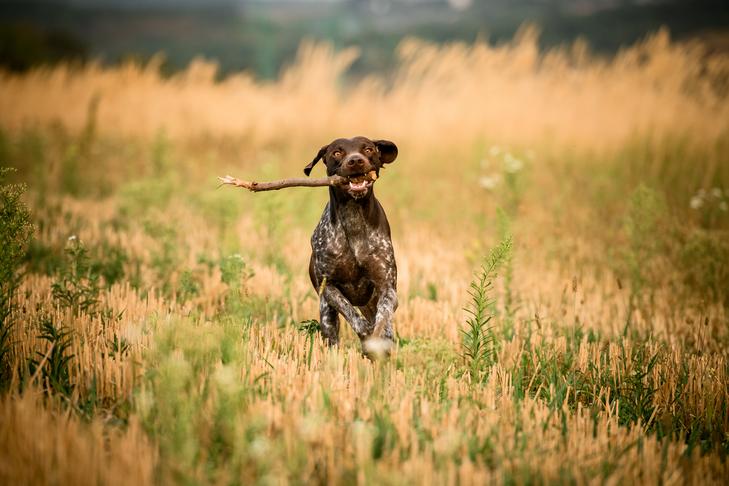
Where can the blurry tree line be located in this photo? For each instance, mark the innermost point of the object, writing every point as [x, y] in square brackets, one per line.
[263, 36]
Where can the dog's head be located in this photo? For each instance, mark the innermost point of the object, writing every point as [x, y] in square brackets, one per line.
[354, 158]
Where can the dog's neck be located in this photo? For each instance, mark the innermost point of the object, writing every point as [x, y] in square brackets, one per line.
[353, 214]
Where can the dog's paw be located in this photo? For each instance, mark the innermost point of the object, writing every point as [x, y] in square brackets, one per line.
[376, 348]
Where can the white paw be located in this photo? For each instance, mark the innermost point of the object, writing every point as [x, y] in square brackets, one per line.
[377, 348]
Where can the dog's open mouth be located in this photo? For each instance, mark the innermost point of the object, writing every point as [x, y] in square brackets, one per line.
[359, 184]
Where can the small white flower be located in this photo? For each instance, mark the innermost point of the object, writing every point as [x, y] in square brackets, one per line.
[72, 238]
[494, 151]
[225, 376]
[724, 206]
[259, 447]
[696, 202]
[489, 182]
[716, 192]
[512, 164]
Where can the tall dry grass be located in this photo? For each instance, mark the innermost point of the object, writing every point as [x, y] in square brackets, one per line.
[47, 446]
[513, 93]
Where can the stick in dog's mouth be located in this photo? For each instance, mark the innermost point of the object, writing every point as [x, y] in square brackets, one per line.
[334, 180]
[371, 176]
[360, 182]
[357, 185]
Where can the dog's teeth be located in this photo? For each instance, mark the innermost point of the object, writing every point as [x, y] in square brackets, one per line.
[357, 185]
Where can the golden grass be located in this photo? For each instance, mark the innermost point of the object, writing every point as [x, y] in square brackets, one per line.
[328, 444]
[46, 446]
[289, 416]
[512, 93]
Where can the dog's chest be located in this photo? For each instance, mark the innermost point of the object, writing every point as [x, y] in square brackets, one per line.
[347, 248]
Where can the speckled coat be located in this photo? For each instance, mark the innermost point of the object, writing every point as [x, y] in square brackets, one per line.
[352, 264]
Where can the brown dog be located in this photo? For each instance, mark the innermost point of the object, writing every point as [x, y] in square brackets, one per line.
[352, 263]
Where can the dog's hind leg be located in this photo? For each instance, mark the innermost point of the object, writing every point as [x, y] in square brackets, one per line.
[329, 320]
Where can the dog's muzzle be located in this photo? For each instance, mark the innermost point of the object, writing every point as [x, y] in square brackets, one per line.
[358, 185]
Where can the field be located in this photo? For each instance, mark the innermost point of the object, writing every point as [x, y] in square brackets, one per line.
[561, 228]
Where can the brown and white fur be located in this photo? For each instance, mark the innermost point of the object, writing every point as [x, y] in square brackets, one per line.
[352, 264]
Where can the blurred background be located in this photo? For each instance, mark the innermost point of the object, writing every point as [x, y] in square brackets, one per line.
[585, 141]
[261, 36]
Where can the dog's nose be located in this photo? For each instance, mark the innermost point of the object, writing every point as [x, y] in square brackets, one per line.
[355, 162]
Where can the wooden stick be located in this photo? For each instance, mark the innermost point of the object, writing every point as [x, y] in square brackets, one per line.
[254, 186]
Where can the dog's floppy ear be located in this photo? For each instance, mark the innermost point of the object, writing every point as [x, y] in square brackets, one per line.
[319, 155]
[388, 151]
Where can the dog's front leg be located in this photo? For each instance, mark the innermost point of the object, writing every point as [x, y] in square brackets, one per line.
[339, 302]
[386, 306]
[329, 319]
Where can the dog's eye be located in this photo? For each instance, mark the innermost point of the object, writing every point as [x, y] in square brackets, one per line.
[368, 150]
[337, 153]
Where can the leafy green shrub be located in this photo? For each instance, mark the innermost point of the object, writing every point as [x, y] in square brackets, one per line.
[15, 234]
[54, 364]
[77, 287]
[478, 341]
[188, 285]
[311, 328]
[233, 271]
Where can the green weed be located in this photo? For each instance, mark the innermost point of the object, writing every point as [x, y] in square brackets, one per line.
[15, 234]
[478, 341]
[53, 365]
[77, 286]
[311, 328]
[188, 286]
